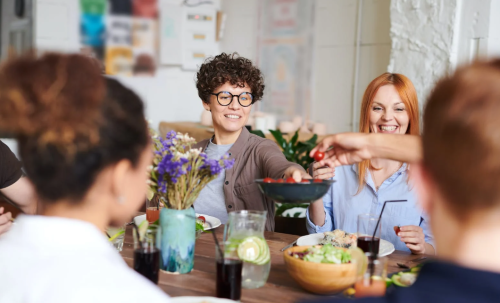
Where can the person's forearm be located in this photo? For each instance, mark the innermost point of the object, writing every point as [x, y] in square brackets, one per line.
[317, 213]
[405, 148]
[23, 195]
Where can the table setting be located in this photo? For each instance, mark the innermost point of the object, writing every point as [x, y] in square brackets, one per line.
[197, 259]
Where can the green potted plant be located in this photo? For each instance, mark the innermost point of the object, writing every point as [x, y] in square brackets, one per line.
[290, 217]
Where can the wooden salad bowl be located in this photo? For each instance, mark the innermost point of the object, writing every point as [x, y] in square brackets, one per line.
[319, 278]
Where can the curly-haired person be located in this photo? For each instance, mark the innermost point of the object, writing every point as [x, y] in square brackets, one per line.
[228, 86]
[84, 143]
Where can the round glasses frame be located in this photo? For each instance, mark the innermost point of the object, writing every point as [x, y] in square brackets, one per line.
[232, 96]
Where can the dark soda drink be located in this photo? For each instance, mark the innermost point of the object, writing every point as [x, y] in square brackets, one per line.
[365, 243]
[229, 278]
[147, 263]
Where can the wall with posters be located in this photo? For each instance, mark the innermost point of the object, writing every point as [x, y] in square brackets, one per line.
[285, 54]
[344, 59]
[168, 91]
[171, 95]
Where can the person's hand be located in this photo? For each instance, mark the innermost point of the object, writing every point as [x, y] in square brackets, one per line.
[322, 172]
[5, 223]
[414, 238]
[296, 174]
[343, 149]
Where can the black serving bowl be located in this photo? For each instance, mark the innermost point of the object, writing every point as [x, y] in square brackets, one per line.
[294, 192]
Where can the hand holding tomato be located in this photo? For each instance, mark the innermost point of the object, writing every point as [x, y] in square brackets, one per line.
[318, 156]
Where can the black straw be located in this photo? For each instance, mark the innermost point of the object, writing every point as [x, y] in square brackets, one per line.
[372, 246]
[213, 234]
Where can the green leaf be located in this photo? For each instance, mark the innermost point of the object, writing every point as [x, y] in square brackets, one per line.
[285, 206]
[258, 132]
[313, 139]
[296, 215]
[199, 226]
[278, 136]
[294, 138]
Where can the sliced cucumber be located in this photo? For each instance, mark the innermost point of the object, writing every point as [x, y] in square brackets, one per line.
[254, 250]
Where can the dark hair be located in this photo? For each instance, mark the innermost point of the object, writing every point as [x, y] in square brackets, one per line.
[232, 68]
[71, 122]
[461, 137]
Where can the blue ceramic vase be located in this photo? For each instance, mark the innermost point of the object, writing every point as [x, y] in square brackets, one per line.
[178, 230]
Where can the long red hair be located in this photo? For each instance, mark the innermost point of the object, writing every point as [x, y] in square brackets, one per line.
[407, 94]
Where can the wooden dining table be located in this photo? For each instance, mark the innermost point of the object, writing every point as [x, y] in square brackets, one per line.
[280, 286]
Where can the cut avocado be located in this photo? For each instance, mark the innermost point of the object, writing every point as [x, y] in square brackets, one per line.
[396, 279]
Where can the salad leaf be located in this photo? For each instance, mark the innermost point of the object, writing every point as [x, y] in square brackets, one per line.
[199, 225]
[325, 254]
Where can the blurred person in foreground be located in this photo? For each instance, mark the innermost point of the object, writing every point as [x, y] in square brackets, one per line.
[389, 106]
[228, 86]
[457, 174]
[84, 143]
[13, 186]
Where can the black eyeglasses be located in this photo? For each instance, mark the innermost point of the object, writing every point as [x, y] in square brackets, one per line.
[225, 98]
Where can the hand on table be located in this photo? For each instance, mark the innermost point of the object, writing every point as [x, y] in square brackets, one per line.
[322, 171]
[414, 238]
[5, 222]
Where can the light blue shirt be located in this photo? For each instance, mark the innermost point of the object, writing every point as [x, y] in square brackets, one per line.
[342, 205]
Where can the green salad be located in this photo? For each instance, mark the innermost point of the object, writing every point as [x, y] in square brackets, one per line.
[324, 254]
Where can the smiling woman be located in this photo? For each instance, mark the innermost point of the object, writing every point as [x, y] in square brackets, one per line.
[228, 86]
[389, 106]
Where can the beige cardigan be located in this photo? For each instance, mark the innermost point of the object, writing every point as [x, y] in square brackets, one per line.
[255, 158]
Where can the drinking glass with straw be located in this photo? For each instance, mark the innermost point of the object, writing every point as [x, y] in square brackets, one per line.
[375, 263]
[372, 284]
[153, 209]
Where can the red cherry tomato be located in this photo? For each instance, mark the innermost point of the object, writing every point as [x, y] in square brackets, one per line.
[318, 181]
[397, 229]
[202, 219]
[290, 180]
[305, 181]
[318, 156]
[280, 181]
[269, 180]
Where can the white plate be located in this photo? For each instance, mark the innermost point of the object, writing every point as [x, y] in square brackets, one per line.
[199, 300]
[386, 247]
[213, 220]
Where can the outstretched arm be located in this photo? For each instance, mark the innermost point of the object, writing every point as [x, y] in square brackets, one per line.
[350, 148]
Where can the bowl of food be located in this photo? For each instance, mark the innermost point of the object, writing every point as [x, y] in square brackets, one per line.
[323, 269]
[289, 191]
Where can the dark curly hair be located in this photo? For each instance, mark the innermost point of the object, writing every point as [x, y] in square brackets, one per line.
[70, 122]
[232, 68]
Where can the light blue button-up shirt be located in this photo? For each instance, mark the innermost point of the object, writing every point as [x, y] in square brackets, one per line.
[342, 205]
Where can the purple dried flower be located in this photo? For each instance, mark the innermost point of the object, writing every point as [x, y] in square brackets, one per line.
[228, 163]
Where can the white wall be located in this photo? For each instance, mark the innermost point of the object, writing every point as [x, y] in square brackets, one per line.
[431, 38]
[420, 38]
[336, 30]
[334, 51]
[240, 32]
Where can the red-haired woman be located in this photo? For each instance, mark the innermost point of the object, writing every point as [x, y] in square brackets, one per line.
[390, 106]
